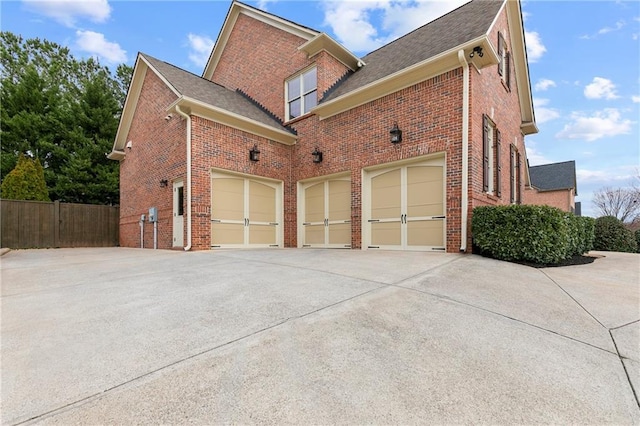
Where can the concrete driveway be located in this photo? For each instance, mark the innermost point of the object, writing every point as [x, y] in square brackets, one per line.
[128, 336]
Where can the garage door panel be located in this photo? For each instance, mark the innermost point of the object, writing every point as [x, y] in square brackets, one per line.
[262, 234]
[262, 202]
[227, 233]
[386, 233]
[314, 234]
[339, 200]
[227, 199]
[425, 233]
[385, 195]
[340, 234]
[314, 203]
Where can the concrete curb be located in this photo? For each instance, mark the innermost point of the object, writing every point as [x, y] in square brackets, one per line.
[4, 251]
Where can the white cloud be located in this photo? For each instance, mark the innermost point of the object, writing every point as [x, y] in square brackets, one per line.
[600, 88]
[535, 47]
[618, 26]
[543, 113]
[200, 48]
[354, 22]
[534, 156]
[263, 4]
[605, 123]
[543, 84]
[606, 176]
[635, 99]
[96, 45]
[67, 12]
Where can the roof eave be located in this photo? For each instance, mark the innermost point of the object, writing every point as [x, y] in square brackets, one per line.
[232, 16]
[236, 121]
[436, 65]
[324, 42]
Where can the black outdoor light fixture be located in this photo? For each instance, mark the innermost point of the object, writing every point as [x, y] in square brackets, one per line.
[254, 153]
[476, 50]
[317, 156]
[396, 134]
[164, 183]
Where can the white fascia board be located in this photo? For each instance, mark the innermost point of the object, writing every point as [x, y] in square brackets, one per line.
[436, 65]
[222, 116]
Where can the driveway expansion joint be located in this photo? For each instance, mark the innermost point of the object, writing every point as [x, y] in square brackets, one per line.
[626, 372]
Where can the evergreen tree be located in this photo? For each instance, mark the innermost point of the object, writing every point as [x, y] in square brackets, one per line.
[25, 181]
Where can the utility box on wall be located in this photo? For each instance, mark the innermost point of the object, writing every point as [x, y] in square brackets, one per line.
[153, 214]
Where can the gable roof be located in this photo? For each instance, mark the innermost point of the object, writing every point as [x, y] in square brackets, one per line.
[554, 177]
[200, 97]
[468, 22]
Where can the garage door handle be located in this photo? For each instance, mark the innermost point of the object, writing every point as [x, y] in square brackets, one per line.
[306, 223]
[438, 217]
[347, 221]
[215, 220]
[273, 223]
[373, 220]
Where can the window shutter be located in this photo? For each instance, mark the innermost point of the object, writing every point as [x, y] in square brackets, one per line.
[518, 164]
[507, 71]
[498, 165]
[512, 166]
[500, 54]
[485, 154]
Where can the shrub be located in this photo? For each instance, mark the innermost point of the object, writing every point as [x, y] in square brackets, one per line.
[581, 234]
[611, 235]
[538, 234]
[637, 234]
[25, 181]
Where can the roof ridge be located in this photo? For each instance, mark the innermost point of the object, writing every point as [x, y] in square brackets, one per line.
[274, 15]
[265, 110]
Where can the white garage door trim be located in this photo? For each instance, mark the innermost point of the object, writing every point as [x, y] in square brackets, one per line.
[399, 222]
[326, 225]
[249, 224]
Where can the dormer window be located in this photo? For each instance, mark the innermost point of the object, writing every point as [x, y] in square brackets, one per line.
[504, 66]
[301, 93]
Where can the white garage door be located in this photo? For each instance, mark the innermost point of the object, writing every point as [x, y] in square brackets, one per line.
[405, 207]
[245, 212]
[326, 213]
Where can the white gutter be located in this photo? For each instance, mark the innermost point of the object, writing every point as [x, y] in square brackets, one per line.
[465, 150]
[188, 118]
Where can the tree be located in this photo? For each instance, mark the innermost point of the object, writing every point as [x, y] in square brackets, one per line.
[611, 235]
[25, 181]
[622, 203]
[64, 112]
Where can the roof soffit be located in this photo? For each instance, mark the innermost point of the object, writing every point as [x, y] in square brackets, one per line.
[323, 42]
[235, 10]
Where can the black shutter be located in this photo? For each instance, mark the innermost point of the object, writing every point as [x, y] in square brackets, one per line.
[498, 165]
[507, 74]
[512, 166]
[518, 165]
[485, 153]
[500, 53]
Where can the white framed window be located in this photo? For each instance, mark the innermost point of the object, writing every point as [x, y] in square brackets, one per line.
[301, 93]
[491, 168]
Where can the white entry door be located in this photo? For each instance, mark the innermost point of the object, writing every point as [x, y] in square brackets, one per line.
[178, 214]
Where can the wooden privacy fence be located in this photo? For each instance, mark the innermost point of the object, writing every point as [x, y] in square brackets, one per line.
[36, 224]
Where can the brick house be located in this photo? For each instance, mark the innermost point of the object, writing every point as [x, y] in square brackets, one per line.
[553, 185]
[289, 140]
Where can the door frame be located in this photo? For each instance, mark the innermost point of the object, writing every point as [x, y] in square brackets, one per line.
[437, 159]
[301, 186]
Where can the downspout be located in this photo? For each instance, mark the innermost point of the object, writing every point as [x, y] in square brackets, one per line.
[465, 150]
[188, 118]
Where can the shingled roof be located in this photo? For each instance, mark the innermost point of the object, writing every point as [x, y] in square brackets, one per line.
[200, 89]
[555, 176]
[468, 22]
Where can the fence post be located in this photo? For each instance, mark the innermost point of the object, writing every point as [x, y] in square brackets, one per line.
[56, 225]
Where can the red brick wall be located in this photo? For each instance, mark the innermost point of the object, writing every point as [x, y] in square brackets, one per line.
[488, 95]
[562, 199]
[429, 115]
[258, 58]
[158, 152]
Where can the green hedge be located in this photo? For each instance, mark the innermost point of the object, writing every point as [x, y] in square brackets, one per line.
[611, 235]
[539, 234]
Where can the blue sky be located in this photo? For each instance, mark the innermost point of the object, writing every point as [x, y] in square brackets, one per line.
[584, 58]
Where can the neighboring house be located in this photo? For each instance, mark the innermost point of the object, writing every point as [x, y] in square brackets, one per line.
[553, 185]
[290, 140]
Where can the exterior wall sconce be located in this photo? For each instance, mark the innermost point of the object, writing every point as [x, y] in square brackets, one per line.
[317, 156]
[476, 50]
[129, 145]
[254, 153]
[164, 183]
[396, 134]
